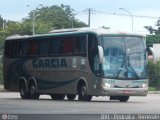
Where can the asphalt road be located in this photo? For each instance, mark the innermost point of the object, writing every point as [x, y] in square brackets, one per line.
[11, 103]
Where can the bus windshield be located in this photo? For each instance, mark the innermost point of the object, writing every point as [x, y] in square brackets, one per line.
[124, 57]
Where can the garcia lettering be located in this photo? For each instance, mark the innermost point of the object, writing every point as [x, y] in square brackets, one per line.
[49, 63]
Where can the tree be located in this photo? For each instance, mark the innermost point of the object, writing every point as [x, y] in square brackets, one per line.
[104, 27]
[149, 28]
[152, 30]
[151, 39]
[54, 17]
[1, 22]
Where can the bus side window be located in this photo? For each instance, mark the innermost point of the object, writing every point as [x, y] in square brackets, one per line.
[55, 46]
[24, 48]
[8, 48]
[80, 44]
[44, 47]
[67, 45]
[33, 47]
[20, 49]
[14, 48]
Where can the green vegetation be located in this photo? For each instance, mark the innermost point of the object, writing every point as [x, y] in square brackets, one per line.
[150, 39]
[154, 69]
[154, 74]
[152, 89]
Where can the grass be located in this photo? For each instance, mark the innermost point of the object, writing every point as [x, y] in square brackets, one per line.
[152, 89]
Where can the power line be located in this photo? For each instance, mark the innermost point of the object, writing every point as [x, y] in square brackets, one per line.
[114, 13]
[88, 11]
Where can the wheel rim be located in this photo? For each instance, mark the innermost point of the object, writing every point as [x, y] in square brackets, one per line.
[83, 91]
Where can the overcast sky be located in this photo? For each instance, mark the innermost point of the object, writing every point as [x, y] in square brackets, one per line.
[17, 9]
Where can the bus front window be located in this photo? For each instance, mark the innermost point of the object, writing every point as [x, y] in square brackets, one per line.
[124, 57]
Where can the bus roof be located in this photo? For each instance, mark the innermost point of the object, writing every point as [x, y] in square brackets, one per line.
[98, 31]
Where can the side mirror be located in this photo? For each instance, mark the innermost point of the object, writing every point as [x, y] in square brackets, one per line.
[153, 53]
[100, 54]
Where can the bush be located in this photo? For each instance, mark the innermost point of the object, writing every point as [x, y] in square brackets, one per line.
[152, 89]
[154, 74]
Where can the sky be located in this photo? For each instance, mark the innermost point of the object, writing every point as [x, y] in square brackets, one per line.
[18, 9]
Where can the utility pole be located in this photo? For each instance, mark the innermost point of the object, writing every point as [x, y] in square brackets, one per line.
[89, 10]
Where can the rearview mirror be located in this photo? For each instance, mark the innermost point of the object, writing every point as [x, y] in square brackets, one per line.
[100, 54]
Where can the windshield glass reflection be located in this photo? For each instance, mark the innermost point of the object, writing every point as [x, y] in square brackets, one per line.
[124, 57]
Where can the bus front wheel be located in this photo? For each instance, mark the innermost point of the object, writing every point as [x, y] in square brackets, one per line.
[32, 91]
[23, 91]
[123, 98]
[83, 93]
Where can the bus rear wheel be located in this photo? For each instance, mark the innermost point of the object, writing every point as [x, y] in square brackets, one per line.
[83, 93]
[23, 91]
[123, 98]
[57, 96]
[33, 92]
[71, 97]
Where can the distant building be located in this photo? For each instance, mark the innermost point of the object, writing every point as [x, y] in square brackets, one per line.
[156, 48]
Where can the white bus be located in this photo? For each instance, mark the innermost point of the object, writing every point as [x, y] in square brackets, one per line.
[85, 62]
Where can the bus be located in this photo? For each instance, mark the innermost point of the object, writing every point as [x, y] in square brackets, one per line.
[83, 62]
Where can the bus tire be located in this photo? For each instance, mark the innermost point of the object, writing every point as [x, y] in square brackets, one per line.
[23, 91]
[71, 97]
[57, 96]
[32, 91]
[123, 98]
[83, 93]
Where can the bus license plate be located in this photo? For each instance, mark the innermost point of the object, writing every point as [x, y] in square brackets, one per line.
[127, 91]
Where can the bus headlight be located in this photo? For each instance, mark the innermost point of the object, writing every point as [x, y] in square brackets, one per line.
[144, 85]
[106, 85]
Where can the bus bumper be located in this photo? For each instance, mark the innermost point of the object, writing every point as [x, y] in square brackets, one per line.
[124, 92]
